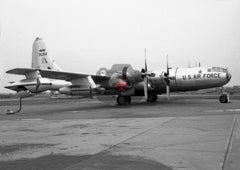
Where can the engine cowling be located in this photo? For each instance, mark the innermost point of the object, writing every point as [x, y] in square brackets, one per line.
[39, 85]
[131, 76]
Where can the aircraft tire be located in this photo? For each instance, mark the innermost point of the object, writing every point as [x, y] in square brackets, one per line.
[121, 100]
[223, 98]
[152, 98]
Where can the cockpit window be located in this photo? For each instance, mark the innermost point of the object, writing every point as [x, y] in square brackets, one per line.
[216, 69]
[224, 70]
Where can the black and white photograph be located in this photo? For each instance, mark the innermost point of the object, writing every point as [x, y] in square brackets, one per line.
[113, 85]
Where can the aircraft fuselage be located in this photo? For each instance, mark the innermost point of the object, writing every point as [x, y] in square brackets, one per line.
[182, 79]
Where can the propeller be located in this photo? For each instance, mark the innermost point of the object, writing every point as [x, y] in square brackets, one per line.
[38, 76]
[167, 79]
[124, 73]
[38, 84]
[145, 79]
[145, 86]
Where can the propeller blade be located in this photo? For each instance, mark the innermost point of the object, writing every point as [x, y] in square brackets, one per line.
[168, 92]
[146, 87]
[167, 79]
[145, 60]
[167, 67]
[38, 84]
[124, 73]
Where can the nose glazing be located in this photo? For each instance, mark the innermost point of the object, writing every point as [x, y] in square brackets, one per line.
[228, 76]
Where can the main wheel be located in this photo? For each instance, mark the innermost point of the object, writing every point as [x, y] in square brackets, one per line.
[121, 100]
[152, 98]
[223, 98]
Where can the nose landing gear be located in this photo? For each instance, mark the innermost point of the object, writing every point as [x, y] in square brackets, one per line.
[224, 98]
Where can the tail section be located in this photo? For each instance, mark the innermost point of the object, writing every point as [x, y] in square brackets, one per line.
[40, 57]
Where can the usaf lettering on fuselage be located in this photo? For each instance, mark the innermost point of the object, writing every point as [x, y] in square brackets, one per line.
[202, 76]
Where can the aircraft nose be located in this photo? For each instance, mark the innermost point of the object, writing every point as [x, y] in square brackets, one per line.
[228, 76]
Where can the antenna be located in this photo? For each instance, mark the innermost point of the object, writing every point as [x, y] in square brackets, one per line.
[145, 59]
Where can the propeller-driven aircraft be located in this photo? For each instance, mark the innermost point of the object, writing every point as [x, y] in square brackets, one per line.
[121, 80]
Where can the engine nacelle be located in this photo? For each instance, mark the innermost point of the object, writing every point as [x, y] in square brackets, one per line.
[132, 76]
[24, 93]
[76, 90]
[40, 85]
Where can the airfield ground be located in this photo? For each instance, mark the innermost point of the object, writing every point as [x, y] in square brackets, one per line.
[76, 134]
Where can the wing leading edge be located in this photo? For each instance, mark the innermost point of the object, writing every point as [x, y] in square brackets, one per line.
[62, 75]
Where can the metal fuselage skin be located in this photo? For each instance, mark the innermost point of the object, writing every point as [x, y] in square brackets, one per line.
[191, 79]
[182, 79]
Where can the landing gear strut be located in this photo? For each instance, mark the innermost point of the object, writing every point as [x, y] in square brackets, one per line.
[152, 98]
[121, 100]
[224, 98]
[10, 112]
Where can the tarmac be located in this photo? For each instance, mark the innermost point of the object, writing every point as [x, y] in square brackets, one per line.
[180, 134]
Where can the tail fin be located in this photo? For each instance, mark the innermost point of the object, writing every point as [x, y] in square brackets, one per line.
[40, 57]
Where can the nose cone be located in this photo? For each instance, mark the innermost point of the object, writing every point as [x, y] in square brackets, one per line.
[228, 76]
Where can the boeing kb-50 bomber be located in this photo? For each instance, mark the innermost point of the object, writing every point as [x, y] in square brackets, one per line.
[121, 80]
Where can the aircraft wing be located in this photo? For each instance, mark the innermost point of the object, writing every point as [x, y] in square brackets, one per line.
[62, 75]
[68, 76]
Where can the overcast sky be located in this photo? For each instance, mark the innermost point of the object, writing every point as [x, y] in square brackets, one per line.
[84, 35]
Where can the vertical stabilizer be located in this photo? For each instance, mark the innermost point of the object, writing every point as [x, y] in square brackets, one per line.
[40, 57]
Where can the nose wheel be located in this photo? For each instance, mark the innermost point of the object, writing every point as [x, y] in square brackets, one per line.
[122, 100]
[224, 98]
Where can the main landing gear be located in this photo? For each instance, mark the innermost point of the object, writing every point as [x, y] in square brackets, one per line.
[152, 98]
[122, 100]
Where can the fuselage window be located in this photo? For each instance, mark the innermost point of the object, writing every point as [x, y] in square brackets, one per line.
[223, 70]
